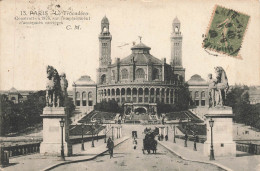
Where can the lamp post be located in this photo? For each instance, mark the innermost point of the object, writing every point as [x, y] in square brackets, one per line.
[82, 141]
[92, 130]
[211, 123]
[174, 134]
[62, 122]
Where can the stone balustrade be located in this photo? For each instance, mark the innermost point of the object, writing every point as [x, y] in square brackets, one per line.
[24, 149]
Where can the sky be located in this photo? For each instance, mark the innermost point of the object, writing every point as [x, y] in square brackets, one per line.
[26, 50]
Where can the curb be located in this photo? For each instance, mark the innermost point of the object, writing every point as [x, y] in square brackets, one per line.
[205, 162]
[82, 160]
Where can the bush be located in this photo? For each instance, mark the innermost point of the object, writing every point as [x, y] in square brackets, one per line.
[110, 106]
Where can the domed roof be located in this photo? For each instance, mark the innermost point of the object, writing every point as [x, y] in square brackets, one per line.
[85, 80]
[176, 20]
[140, 55]
[197, 80]
[104, 20]
[13, 90]
[140, 46]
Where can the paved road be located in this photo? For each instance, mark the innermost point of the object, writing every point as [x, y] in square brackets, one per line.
[126, 158]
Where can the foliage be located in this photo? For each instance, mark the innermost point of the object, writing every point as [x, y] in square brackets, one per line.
[110, 106]
[238, 99]
[17, 117]
[69, 107]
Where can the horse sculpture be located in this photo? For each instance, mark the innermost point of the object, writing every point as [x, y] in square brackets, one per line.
[219, 87]
[53, 88]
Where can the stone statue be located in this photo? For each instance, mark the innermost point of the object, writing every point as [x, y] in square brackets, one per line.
[222, 86]
[64, 86]
[55, 93]
[218, 87]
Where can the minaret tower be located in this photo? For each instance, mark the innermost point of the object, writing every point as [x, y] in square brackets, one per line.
[104, 44]
[176, 48]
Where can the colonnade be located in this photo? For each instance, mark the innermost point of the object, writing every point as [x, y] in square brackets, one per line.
[166, 95]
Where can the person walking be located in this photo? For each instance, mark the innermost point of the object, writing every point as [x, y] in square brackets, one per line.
[110, 146]
[134, 143]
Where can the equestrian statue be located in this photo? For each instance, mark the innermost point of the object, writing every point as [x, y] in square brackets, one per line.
[218, 87]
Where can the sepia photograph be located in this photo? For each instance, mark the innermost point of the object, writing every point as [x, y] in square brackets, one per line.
[141, 85]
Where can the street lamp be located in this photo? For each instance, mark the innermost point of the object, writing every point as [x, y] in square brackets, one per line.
[82, 141]
[92, 130]
[211, 123]
[62, 123]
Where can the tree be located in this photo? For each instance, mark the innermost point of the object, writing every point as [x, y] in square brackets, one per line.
[183, 98]
[110, 106]
[6, 111]
[69, 107]
[238, 99]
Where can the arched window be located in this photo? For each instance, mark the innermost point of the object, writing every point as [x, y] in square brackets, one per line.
[84, 99]
[103, 79]
[176, 29]
[105, 30]
[155, 74]
[90, 99]
[203, 94]
[140, 73]
[203, 98]
[196, 94]
[124, 73]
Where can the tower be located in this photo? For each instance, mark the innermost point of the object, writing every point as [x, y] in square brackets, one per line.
[176, 49]
[104, 44]
[103, 74]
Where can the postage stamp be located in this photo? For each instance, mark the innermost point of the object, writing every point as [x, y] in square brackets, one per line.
[226, 31]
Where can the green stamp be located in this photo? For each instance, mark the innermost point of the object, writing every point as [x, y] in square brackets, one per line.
[226, 31]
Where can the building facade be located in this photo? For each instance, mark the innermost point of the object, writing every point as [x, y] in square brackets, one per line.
[139, 80]
[84, 93]
[198, 89]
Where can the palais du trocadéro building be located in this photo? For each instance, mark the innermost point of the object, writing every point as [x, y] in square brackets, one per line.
[139, 80]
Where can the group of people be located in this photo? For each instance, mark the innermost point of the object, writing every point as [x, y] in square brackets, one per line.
[161, 137]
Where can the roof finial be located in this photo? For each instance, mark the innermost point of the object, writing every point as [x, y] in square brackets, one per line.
[140, 37]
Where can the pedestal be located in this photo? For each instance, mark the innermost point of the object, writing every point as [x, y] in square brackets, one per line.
[222, 131]
[51, 144]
